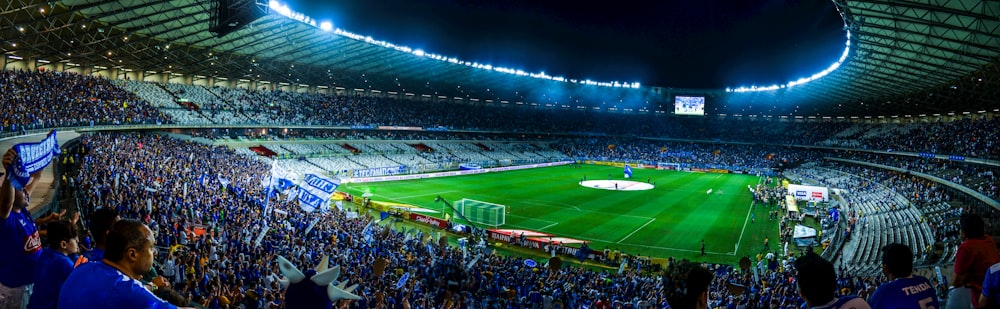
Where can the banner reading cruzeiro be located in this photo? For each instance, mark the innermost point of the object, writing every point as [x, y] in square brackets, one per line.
[315, 191]
[32, 157]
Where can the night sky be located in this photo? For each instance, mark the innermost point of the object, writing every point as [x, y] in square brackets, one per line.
[680, 44]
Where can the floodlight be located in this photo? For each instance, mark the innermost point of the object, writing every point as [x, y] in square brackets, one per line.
[326, 26]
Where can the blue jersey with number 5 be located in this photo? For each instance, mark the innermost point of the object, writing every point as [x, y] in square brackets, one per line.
[905, 293]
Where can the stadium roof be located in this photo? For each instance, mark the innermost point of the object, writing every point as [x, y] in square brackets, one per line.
[906, 57]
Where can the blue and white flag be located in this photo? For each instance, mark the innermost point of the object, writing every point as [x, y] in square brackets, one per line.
[31, 158]
[628, 171]
[315, 191]
[367, 234]
[280, 178]
[402, 280]
[309, 199]
[311, 226]
[223, 181]
[201, 180]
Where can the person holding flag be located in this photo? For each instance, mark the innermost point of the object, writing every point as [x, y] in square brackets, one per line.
[628, 171]
[20, 241]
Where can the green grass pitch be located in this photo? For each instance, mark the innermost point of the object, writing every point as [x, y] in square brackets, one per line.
[669, 220]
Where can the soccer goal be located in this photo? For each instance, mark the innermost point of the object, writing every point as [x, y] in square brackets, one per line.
[480, 212]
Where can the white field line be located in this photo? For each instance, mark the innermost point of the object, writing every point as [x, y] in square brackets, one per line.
[636, 230]
[745, 220]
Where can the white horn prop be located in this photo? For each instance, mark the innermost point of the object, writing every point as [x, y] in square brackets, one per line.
[323, 265]
[326, 277]
[335, 293]
[291, 272]
[284, 283]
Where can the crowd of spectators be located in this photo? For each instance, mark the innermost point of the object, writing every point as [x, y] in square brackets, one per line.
[699, 155]
[35, 100]
[53, 99]
[981, 178]
[964, 137]
[144, 177]
[211, 233]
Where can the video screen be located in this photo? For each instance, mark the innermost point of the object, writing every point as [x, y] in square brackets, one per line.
[689, 105]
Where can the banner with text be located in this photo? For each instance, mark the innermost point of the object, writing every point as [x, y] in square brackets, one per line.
[315, 191]
[808, 193]
[429, 220]
[379, 171]
[31, 158]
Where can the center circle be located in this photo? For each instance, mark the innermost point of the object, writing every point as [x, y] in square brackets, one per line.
[619, 185]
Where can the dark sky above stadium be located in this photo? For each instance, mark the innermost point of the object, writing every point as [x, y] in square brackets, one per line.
[680, 44]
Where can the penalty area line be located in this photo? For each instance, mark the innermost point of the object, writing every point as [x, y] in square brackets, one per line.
[636, 230]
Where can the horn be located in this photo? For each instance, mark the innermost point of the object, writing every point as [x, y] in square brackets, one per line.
[290, 271]
[338, 292]
[323, 265]
[324, 278]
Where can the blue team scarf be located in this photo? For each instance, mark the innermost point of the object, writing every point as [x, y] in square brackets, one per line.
[32, 157]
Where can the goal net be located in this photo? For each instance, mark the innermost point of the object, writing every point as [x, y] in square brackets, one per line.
[479, 212]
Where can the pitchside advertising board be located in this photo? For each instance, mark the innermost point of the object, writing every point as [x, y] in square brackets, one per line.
[809, 193]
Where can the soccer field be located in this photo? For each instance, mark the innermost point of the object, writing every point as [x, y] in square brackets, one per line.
[671, 219]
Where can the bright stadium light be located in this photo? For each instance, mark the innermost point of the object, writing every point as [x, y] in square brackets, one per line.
[800, 81]
[418, 52]
[326, 26]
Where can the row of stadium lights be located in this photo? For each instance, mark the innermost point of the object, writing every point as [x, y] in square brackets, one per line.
[328, 27]
[827, 71]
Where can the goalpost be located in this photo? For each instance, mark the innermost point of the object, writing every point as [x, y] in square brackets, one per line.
[479, 212]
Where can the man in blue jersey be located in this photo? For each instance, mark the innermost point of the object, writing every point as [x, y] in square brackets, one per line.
[904, 290]
[114, 281]
[20, 242]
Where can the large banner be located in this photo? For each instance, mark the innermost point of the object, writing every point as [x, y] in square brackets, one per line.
[809, 193]
[379, 171]
[31, 158]
[315, 191]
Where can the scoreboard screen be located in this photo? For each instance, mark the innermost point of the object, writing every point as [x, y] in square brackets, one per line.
[689, 105]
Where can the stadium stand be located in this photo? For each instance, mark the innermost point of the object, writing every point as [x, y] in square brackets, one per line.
[142, 176]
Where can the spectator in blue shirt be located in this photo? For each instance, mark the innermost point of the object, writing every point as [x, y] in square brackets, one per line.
[904, 290]
[55, 264]
[20, 241]
[114, 281]
[990, 297]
